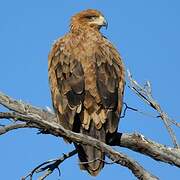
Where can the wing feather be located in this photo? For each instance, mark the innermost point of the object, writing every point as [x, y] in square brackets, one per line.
[67, 85]
[110, 84]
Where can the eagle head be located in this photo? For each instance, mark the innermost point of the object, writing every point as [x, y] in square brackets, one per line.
[88, 18]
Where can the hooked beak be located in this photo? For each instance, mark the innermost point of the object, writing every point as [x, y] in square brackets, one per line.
[100, 21]
[105, 23]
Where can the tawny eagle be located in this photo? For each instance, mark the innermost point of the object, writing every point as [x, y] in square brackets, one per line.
[86, 77]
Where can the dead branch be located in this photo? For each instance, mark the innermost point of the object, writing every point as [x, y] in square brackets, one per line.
[36, 117]
[145, 93]
[5, 129]
[140, 144]
[57, 130]
[51, 165]
[24, 108]
[135, 142]
[125, 110]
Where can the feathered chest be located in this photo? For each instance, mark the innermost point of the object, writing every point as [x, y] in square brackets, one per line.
[85, 47]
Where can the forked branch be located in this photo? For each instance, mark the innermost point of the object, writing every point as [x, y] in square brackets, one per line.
[49, 166]
[145, 93]
[25, 115]
[35, 117]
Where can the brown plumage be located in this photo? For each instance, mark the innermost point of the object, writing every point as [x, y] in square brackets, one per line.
[86, 75]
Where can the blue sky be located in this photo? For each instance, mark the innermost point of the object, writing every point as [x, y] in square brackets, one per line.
[147, 34]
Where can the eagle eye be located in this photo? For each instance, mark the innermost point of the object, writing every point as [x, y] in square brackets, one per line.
[91, 17]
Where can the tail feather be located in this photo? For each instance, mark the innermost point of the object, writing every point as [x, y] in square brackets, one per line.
[91, 159]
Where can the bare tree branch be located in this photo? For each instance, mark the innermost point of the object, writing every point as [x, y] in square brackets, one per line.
[35, 116]
[5, 129]
[135, 142]
[51, 165]
[57, 130]
[14, 116]
[145, 93]
[24, 108]
[140, 144]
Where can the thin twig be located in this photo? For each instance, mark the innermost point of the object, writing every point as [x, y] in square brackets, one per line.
[141, 112]
[126, 108]
[145, 93]
[51, 165]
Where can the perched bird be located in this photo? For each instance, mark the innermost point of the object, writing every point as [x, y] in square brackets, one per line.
[86, 77]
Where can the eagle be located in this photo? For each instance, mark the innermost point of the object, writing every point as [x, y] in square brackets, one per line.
[86, 76]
